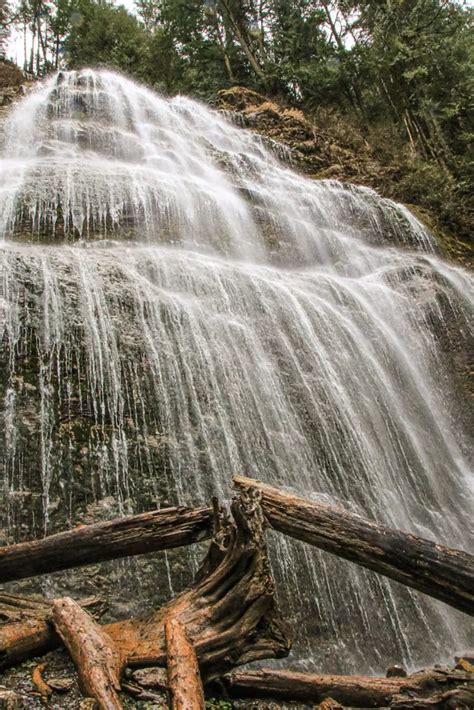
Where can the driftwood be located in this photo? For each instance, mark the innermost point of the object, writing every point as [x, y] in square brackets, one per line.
[228, 616]
[25, 626]
[40, 684]
[229, 611]
[87, 544]
[184, 680]
[458, 699]
[351, 691]
[440, 572]
[98, 663]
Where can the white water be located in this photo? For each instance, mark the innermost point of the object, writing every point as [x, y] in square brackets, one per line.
[178, 306]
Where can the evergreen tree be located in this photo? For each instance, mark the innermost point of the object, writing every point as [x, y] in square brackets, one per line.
[103, 34]
[4, 26]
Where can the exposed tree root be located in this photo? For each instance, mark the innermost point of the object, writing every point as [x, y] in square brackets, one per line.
[229, 612]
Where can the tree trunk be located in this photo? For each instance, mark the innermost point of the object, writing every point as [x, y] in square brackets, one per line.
[43, 48]
[351, 691]
[239, 33]
[32, 51]
[225, 55]
[440, 572]
[184, 680]
[229, 611]
[98, 662]
[25, 627]
[131, 535]
[459, 699]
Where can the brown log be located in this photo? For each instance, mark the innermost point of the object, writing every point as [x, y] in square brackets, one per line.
[25, 639]
[28, 626]
[440, 572]
[458, 699]
[352, 691]
[122, 537]
[98, 663]
[184, 679]
[229, 612]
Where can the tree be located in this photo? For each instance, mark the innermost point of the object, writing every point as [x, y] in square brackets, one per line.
[101, 33]
[4, 26]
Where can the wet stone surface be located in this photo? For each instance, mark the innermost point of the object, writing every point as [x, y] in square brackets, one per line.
[60, 668]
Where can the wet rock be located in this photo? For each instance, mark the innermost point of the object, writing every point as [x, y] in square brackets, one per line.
[151, 678]
[61, 685]
[396, 672]
[9, 700]
[329, 704]
[466, 655]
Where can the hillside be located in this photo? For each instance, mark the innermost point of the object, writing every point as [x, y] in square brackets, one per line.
[326, 145]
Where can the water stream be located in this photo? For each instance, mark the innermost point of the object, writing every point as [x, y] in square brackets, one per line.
[178, 305]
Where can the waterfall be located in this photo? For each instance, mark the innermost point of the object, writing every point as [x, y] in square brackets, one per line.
[178, 305]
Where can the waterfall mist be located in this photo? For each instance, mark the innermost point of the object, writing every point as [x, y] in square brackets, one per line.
[177, 305]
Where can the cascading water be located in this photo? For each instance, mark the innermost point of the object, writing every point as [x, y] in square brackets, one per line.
[177, 306]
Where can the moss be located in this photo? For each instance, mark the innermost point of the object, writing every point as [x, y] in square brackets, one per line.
[10, 74]
[452, 247]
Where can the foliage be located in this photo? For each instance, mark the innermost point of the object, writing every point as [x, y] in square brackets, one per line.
[106, 35]
[4, 26]
[214, 704]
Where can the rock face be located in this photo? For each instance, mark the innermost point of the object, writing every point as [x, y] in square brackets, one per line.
[11, 77]
[329, 147]
[331, 150]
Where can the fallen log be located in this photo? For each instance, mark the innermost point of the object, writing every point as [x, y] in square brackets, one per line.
[184, 680]
[15, 606]
[98, 663]
[229, 611]
[440, 572]
[122, 537]
[351, 691]
[25, 626]
[458, 699]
